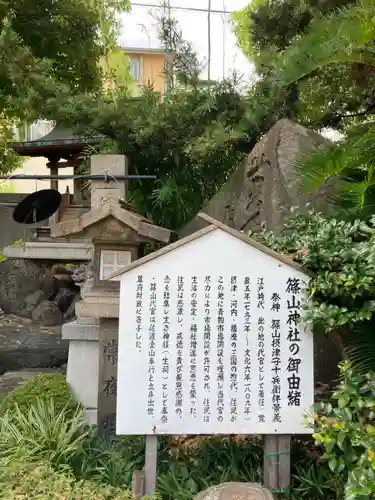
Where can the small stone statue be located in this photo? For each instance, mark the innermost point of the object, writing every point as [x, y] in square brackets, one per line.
[89, 283]
[84, 278]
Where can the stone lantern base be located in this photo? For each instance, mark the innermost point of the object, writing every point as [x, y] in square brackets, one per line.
[83, 368]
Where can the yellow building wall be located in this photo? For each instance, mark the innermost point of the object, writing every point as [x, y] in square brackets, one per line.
[37, 166]
[152, 71]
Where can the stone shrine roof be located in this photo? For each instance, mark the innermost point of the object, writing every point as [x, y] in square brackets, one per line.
[115, 208]
[60, 142]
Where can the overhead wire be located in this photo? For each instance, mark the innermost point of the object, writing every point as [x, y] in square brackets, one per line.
[190, 9]
[224, 13]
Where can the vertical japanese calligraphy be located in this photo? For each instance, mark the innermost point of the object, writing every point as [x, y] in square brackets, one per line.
[276, 357]
[180, 345]
[220, 350]
[293, 288]
[139, 312]
[207, 349]
[111, 351]
[107, 372]
[193, 346]
[247, 308]
[165, 349]
[151, 349]
[110, 387]
[233, 382]
[261, 351]
[109, 423]
[247, 352]
[260, 293]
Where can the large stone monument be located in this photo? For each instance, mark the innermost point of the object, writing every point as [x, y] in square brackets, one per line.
[116, 232]
[262, 190]
[264, 186]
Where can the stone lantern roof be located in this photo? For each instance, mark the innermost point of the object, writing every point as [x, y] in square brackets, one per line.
[61, 142]
[120, 212]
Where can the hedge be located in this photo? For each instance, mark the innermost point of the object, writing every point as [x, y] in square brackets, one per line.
[30, 481]
[45, 387]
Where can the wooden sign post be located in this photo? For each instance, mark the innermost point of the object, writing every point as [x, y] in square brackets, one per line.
[151, 464]
[276, 464]
[138, 485]
[211, 342]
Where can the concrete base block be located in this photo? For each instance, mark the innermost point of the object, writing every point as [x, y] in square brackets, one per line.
[83, 369]
[51, 251]
[79, 330]
[91, 416]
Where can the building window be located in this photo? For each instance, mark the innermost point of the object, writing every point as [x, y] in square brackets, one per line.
[134, 69]
[32, 131]
[112, 261]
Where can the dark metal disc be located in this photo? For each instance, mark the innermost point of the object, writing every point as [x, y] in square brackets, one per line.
[37, 206]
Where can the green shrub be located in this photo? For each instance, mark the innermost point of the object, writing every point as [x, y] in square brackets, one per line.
[345, 428]
[211, 461]
[46, 388]
[28, 481]
[315, 481]
[111, 462]
[41, 424]
[43, 434]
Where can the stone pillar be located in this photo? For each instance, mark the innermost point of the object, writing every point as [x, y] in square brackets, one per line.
[107, 373]
[54, 170]
[77, 194]
[54, 184]
[101, 191]
[92, 363]
[83, 371]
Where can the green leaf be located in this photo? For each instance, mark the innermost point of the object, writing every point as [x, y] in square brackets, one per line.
[332, 464]
[343, 400]
[341, 439]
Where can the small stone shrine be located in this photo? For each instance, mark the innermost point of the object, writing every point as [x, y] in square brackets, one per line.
[116, 232]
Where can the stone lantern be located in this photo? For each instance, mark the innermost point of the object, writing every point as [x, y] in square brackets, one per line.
[116, 231]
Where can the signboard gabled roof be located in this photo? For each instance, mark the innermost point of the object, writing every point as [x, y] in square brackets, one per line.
[213, 224]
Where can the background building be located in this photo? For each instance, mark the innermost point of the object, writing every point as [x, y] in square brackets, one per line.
[147, 68]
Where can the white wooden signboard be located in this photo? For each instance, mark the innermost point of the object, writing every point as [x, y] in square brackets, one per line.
[210, 343]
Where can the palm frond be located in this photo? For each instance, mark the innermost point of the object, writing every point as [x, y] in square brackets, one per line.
[360, 347]
[359, 129]
[341, 37]
[315, 168]
[357, 196]
[348, 165]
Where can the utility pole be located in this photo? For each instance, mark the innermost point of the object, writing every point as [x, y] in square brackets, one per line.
[223, 18]
[167, 5]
